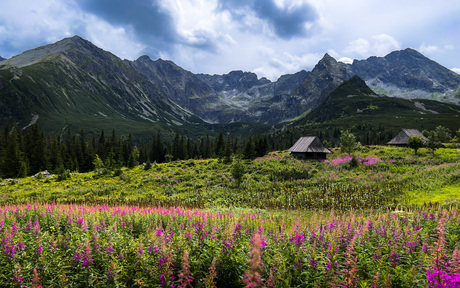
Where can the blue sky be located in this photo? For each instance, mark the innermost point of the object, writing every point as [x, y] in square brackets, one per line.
[268, 37]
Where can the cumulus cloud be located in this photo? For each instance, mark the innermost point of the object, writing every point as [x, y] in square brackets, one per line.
[287, 19]
[378, 45]
[147, 18]
[117, 40]
[428, 49]
[149, 21]
[345, 60]
[285, 63]
[360, 46]
[456, 70]
[199, 26]
[26, 23]
[384, 44]
[435, 49]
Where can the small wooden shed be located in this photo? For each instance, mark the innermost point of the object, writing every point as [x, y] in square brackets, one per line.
[403, 136]
[309, 147]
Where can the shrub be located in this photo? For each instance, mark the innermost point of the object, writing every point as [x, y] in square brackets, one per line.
[65, 175]
[148, 165]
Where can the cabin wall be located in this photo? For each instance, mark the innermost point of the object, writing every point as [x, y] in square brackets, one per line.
[309, 155]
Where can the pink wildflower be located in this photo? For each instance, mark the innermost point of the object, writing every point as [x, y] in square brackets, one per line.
[252, 276]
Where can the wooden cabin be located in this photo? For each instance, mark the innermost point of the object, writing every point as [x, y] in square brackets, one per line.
[403, 136]
[310, 148]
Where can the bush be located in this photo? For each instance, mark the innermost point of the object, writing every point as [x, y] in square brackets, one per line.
[117, 172]
[147, 165]
[353, 163]
[65, 175]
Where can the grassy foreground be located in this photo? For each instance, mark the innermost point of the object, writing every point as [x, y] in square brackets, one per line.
[363, 221]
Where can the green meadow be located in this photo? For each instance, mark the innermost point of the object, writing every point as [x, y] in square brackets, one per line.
[382, 217]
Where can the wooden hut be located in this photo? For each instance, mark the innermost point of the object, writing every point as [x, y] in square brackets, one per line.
[403, 136]
[310, 148]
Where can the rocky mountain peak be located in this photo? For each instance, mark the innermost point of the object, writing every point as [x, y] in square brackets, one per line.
[328, 63]
[328, 58]
[72, 44]
[1, 58]
[407, 55]
[408, 74]
[143, 59]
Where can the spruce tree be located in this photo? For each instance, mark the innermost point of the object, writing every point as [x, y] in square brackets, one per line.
[13, 157]
[219, 146]
[227, 155]
[35, 149]
[249, 149]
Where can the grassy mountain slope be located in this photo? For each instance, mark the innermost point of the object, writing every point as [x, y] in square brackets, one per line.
[80, 86]
[354, 106]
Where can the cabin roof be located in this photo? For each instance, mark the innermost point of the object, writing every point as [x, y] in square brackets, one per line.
[310, 144]
[403, 136]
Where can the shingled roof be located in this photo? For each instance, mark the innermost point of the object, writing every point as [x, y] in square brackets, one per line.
[309, 144]
[403, 136]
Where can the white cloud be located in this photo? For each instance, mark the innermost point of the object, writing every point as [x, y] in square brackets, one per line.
[116, 40]
[48, 21]
[378, 45]
[437, 50]
[456, 70]
[346, 60]
[286, 63]
[361, 47]
[384, 44]
[428, 49]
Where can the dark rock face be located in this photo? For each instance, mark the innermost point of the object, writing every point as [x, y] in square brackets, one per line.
[235, 80]
[181, 86]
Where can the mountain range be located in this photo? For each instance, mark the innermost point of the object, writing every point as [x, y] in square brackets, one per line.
[74, 84]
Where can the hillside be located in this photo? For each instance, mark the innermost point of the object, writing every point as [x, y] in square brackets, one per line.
[73, 84]
[374, 118]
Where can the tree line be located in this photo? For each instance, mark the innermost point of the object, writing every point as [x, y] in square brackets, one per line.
[23, 154]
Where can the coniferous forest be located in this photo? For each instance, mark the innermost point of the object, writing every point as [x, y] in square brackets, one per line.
[23, 154]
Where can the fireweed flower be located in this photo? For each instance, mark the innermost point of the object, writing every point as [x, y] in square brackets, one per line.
[17, 278]
[140, 249]
[38, 251]
[211, 275]
[111, 275]
[185, 277]
[252, 276]
[165, 280]
[36, 280]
